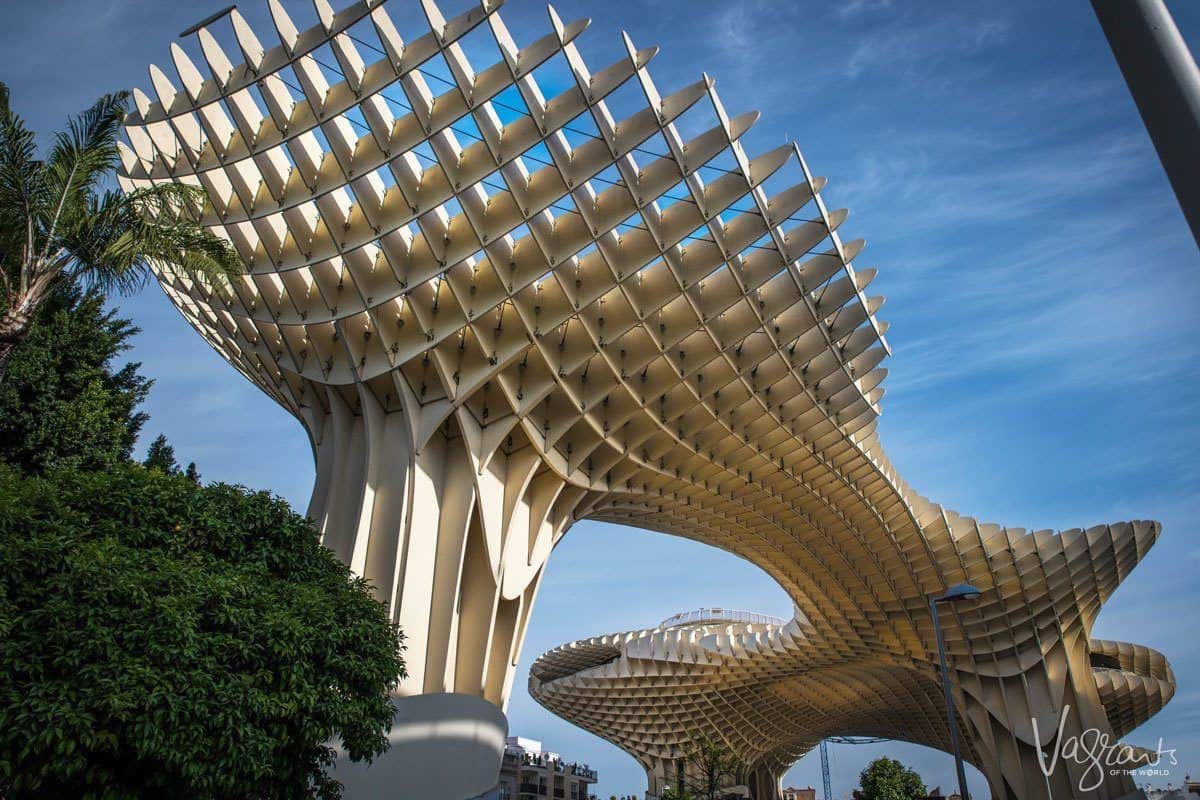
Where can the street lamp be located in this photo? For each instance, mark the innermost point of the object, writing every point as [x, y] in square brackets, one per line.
[955, 594]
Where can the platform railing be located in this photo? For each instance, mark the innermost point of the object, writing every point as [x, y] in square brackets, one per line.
[704, 615]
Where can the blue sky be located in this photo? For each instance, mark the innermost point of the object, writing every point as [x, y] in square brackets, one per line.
[1042, 288]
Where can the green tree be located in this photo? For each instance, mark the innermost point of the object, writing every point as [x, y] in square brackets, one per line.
[159, 638]
[706, 771]
[161, 456]
[58, 222]
[888, 779]
[676, 793]
[62, 402]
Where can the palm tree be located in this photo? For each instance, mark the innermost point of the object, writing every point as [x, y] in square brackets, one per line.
[59, 222]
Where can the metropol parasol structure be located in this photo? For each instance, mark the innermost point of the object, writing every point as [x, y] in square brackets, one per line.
[498, 309]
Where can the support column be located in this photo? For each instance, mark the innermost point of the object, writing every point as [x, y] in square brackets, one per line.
[1001, 705]
[454, 540]
[765, 783]
[662, 774]
[443, 747]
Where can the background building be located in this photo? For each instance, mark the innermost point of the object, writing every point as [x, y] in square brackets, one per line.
[807, 793]
[1188, 791]
[528, 772]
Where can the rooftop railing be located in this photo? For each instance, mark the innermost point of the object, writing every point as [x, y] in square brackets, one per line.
[583, 771]
[549, 762]
[706, 615]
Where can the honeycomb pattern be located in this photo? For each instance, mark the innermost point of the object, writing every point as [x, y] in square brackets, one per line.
[461, 287]
[655, 692]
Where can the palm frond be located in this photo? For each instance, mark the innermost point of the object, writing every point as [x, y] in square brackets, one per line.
[172, 209]
[172, 200]
[22, 181]
[81, 156]
[194, 250]
[118, 237]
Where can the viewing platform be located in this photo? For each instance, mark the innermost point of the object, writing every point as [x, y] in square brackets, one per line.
[706, 616]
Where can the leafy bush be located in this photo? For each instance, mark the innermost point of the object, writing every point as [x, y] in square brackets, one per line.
[159, 638]
[62, 403]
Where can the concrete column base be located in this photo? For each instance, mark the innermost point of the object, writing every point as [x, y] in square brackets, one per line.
[443, 747]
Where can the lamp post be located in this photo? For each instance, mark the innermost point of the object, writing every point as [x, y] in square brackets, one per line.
[955, 594]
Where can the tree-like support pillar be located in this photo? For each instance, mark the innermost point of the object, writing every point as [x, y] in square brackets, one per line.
[662, 774]
[1042, 730]
[765, 782]
[453, 535]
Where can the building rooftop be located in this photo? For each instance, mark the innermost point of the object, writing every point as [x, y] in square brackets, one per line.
[519, 751]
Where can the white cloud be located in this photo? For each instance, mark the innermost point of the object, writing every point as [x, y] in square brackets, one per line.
[854, 8]
[918, 49]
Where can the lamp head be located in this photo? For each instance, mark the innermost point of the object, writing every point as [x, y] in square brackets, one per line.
[960, 592]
